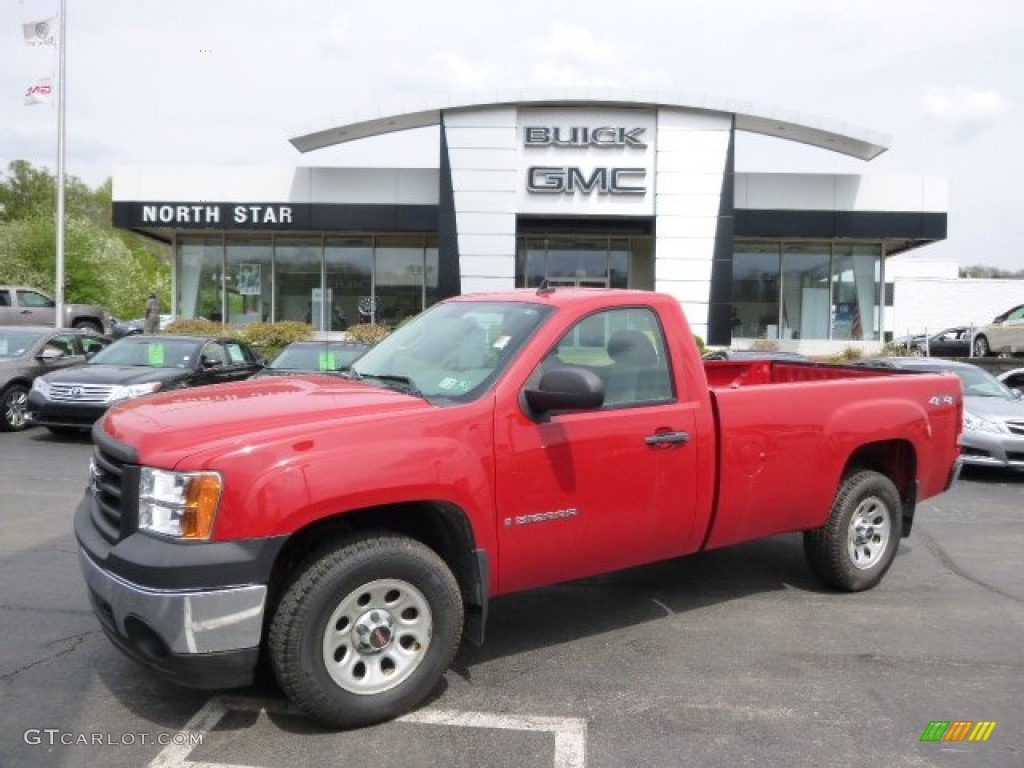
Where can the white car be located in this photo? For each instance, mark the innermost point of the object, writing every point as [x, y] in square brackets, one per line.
[1003, 336]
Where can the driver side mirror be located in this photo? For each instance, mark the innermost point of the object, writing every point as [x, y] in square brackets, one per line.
[49, 353]
[564, 389]
[209, 362]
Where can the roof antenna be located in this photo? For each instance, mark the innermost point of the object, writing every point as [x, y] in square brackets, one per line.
[545, 288]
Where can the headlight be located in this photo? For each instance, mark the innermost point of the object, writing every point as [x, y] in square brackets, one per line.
[179, 504]
[121, 392]
[41, 386]
[979, 424]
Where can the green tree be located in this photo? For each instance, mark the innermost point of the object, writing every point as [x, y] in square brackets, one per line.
[102, 265]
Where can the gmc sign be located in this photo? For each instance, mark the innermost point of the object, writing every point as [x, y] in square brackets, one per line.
[604, 181]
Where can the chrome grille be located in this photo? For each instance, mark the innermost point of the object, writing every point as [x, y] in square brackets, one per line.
[80, 393]
[106, 478]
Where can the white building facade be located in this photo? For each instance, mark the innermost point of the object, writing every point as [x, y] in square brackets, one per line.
[583, 189]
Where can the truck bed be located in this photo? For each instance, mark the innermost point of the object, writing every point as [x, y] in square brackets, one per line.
[732, 374]
[782, 449]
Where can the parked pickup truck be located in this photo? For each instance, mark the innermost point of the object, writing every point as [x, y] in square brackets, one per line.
[354, 527]
[21, 305]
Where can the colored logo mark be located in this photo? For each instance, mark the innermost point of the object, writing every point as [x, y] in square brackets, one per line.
[958, 730]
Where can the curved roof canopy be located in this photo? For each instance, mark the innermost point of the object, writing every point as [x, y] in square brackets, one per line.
[388, 117]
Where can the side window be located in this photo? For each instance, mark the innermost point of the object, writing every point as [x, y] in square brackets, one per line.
[5, 298]
[92, 344]
[625, 348]
[215, 351]
[63, 344]
[236, 354]
[33, 299]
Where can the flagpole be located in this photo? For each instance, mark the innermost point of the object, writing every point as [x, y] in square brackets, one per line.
[61, 51]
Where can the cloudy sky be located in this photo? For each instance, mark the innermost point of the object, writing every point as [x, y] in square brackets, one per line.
[227, 82]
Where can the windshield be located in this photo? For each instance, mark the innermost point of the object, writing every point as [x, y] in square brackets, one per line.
[453, 351]
[316, 357]
[16, 343]
[150, 353]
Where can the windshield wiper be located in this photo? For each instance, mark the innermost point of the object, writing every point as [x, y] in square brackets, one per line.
[405, 383]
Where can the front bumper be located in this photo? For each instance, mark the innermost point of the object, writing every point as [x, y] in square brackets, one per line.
[47, 413]
[191, 611]
[992, 449]
[201, 639]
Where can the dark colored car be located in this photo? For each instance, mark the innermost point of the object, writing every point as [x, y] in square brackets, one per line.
[993, 434]
[27, 352]
[134, 366]
[121, 328]
[951, 342]
[1014, 379]
[314, 356]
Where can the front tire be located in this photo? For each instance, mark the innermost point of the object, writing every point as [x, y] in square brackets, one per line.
[14, 409]
[856, 546]
[365, 631]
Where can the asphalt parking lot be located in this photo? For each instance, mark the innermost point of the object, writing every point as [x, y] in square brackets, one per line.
[730, 658]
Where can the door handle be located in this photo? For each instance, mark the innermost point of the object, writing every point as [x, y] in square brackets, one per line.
[667, 438]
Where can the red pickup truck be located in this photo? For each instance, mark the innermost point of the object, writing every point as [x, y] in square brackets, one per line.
[353, 528]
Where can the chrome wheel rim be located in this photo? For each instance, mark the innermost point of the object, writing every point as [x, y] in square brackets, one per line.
[15, 408]
[869, 534]
[377, 636]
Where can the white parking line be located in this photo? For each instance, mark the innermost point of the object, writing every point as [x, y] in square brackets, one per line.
[570, 733]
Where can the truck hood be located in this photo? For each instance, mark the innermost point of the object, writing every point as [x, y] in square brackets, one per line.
[177, 422]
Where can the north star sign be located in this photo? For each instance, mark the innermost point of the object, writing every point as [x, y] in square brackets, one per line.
[567, 180]
[212, 214]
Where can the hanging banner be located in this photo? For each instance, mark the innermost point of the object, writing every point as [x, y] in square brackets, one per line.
[41, 32]
[40, 92]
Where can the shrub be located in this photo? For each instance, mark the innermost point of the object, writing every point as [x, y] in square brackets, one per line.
[270, 338]
[195, 327]
[701, 346]
[266, 338]
[368, 333]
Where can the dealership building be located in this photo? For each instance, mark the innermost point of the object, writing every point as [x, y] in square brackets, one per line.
[581, 188]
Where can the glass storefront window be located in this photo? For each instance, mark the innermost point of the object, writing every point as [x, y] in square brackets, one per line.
[248, 283]
[595, 261]
[200, 277]
[806, 291]
[755, 291]
[399, 278]
[856, 271]
[297, 267]
[806, 295]
[349, 275]
[330, 282]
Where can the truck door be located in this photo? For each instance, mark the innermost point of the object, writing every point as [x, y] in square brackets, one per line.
[593, 491]
[34, 308]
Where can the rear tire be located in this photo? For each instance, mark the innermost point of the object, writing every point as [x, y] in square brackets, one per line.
[981, 347]
[88, 325]
[855, 548]
[14, 408]
[366, 630]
